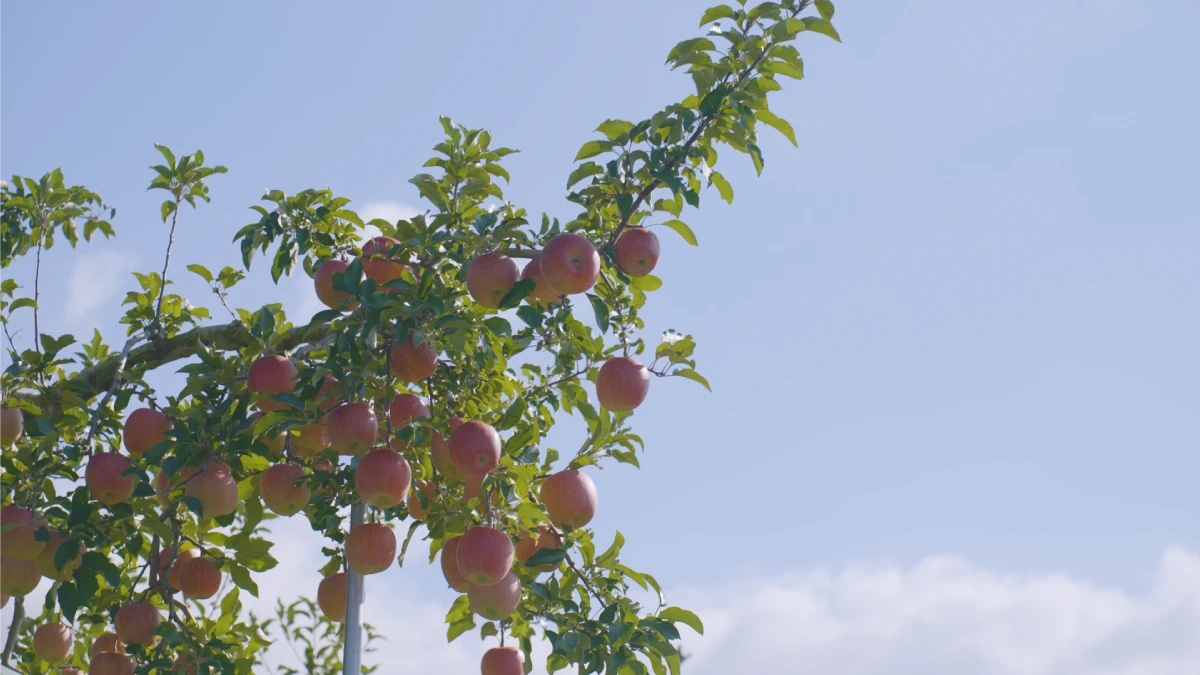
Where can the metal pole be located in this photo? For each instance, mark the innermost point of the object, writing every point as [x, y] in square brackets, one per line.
[352, 651]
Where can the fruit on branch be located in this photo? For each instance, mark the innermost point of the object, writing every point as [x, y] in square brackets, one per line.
[184, 663]
[370, 548]
[527, 545]
[52, 642]
[570, 263]
[199, 578]
[104, 479]
[12, 425]
[637, 251]
[475, 448]
[331, 596]
[145, 428]
[485, 555]
[164, 557]
[414, 502]
[18, 578]
[107, 642]
[19, 540]
[323, 280]
[412, 362]
[622, 384]
[471, 486]
[270, 375]
[378, 263]
[490, 277]
[570, 498]
[136, 622]
[351, 428]
[310, 439]
[439, 451]
[543, 292]
[382, 478]
[164, 486]
[279, 489]
[450, 565]
[274, 443]
[215, 488]
[503, 661]
[402, 411]
[45, 559]
[110, 663]
[330, 394]
[495, 601]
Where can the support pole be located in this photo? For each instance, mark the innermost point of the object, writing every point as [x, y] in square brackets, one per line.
[352, 651]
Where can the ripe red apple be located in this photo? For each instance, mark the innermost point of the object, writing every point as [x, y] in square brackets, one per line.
[310, 439]
[323, 280]
[622, 384]
[503, 661]
[107, 642]
[104, 479]
[490, 277]
[450, 565]
[280, 492]
[45, 559]
[136, 622]
[331, 596]
[216, 489]
[439, 451]
[199, 578]
[144, 429]
[164, 558]
[570, 498]
[18, 578]
[110, 663]
[543, 292]
[52, 642]
[471, 486]
[485, 555]
[164, 485]
[475, 448]
[351, 428]
[415, 509]
[570, 263]
[527, 545]
[378, 263]
[637, 251]
[12, 425]
[403, 410]
[496, 601]
[18, 541]
[270, 375]
[274, 443]
[413, 363]
[382, 478]
[370, 548]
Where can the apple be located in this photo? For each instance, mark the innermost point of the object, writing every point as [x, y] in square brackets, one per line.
[527, 545]
[570, 498]
[323, 280]
[570, 263]
[144, 429]
[503, 661]
[270, 375]
[490, 277]
[110, 663]
[485, 555]
[378, 263]
[52, 642]
[370, 548]
[495, 601]
[199, 578]
[184, 663]
[439, 451]
[331, 596]
[18, 578]
[382, 478]
[471, 486]
[12, 425]
[274, 443]
[622, 384]
[450, 565]
[164, 559]
[280, 492]
[543, 292]
[107, 642]
[19, 541]
[136, 622]
[351, 428]
[402, 411]
[45, 559]
[164, 486]
[331, 393]
[637, 251]
[104, 479]
[413, 363]
[310, 439]
[415, 509]
[475, 448]
[216, 489]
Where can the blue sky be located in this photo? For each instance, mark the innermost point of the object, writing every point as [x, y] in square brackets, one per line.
[961, 319]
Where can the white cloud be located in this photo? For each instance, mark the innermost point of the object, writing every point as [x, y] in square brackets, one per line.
[96, 279]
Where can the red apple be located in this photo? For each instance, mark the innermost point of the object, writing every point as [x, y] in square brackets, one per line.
[184, 663]
[503, 661]
[543, 292]
[637, 251]
[622, 384]
[18, 578]
[331, 393]
[351, 428]
[496, 601]
[107, 642]
[144, 429]
[527, 545]
[280, 492]
[471, 486]
[378, 263]
[413, 363]
[270, 375]
[274, 443]
[45, 559]
[310, 439]
[570, 498]
[164, 486]
[490, 277]
[414, 503]
[323, 280]
[370, 548]
[110, 663]
[12, 425]
[136, 622]
[164, 559]
[382, 478]
[104, 479]
[403, 410]
[18, 541]
[52, 642]
[439, 451]
[331, 596]
[450, 565]
[199, 578]
[570, 263]
[485, 555]
[216, 489]
[475, 448]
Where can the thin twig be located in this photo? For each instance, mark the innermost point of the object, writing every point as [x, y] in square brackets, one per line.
[14, 628]
[167, 261]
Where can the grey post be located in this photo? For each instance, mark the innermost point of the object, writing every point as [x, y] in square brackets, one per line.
[352, 653]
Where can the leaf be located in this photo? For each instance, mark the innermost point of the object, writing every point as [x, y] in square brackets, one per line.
[792, 70]
[583, 171]
[714, 13]
[680, 615]
[68, 601]
[546, 556]
[517, 293]
[593, 148]
[723, 186]
[168, 207]
[646, 283]
[22, 302]
[614, 128]
[825, 7]
[514, 413]
[692, 45]
[600, 308]
[778, 123]
[241, 577]
[822, 26]
[202, 271]
[693, 376]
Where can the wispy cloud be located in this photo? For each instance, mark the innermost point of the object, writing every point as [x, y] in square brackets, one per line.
[96, 279]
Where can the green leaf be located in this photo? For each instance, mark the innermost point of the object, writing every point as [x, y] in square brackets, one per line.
[714, 13]
[614, 128]
[684, 231]
[778, 123]
[546, 556]
[693, 376]
[517, 293]
[241, 577]
[680, 615]
[583, 171]
[168, 208]
[822, 26]
[723, 186]
[22, 302]
[825, 7]
[459, 627]
[793, 70]
[601, 310]
[646, 283]
[68, 602]
[513, 414]
[202, 271]
[692, 45]
[593, 148]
